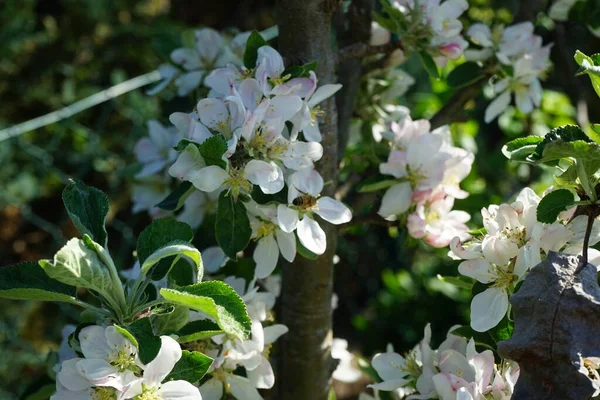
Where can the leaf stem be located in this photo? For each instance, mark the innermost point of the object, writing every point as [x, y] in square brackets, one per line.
[88, 306]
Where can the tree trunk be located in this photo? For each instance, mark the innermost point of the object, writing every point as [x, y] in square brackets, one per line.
[305, 356]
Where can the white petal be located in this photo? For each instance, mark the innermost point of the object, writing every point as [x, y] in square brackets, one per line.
[70, 378]
[273, 332]
[187, 58]
[212, 389]
[488, 308]
[97, 371]
[219, 79]
[287, 218]
[477, 268]
[390, 385]
[189, 160]
[266, 255]
[270, 60]
[187, 83]
[333, 211]
[312, 133]
[179, 390]
[311, 235]
[396, 200]
[251, 93]
[213, 113]
[266, 175]
[93, 342]
[262, 377]
[208, 179]
[497, 106]
[209, 44]
[241, 388]
[284, 107]
[389, 366]
[322, 93]
[158, 369]
[307, 181]
[287, 244]
[213, 258]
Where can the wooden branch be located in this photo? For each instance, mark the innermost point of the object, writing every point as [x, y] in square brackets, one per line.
[361, 50]
[454, 107]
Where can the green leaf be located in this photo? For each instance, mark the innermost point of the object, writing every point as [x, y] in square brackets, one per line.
[465, 74]
[591, 67]
[160, 233]
[217, 300]
[28, 281]
[78, 265]
[567, 178]
[553, 204]
[520, 149]
[578, 149]
[304, 252]
[255, 41]
[331, 395]
[198, 330]
[211, 150]
[232, 226]
[429, 64]
[181, 273]
[148, 343]
[191, 367]
[176, 248]
[567, 133]
[374, 187]
[127, 335]
[462, 282]
[595, 134]
[170, 322]
[523, 142]
[503, 331]
[87, 208]
[175, 200]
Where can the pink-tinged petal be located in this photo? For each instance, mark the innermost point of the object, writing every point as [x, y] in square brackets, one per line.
[287, 218]
[208, 44]
[266, 255]
[250, 93]
[416, 226]
[488, 308]
[333, 211]
[179, 390]
[284, 107]
[396, 200]
[162, 365]
[208, 179]
[287, 244]
[187, 58]
[311, 235]
[272, 62]
[219, 79]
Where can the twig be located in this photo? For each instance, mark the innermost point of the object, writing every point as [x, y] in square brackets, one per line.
[81, 105]
[367, 219]
[361, 50]
[586, 238]
[456, 104]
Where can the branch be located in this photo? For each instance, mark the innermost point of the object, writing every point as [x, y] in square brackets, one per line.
[361, 50]
[455, 105]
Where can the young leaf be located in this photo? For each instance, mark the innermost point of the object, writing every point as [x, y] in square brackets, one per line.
[191, 367]
[217, 300]
[170, 322]
[176, 248]
[77, 265]
[567, 133]
[553, 204]
[28, 281]
[591, 67]
[148, 344]
[198, 330]
[87, 208]
[175, 200]
[127, 335]
[232, 226]
[255, 41]
[465, 74]
[160, 233]
[429, 65]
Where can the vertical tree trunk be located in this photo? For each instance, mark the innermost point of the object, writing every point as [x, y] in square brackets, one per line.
[306, 364]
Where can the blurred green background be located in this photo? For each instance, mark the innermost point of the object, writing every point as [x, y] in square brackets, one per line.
[55, 52]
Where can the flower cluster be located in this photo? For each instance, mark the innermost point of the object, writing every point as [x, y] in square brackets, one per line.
[518, 51]
[434, 24]
[252, 354]
[513, 242]
[259, 116]
[212, 50]
[110, 369]
[428, 170]
[454, 371]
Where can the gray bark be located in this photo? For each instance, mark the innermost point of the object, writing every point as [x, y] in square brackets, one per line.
[557, 315]
[305, 352]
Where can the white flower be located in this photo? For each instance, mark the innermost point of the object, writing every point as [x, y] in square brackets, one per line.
[110, 359]
[560, 9]
[196, 206]
[345, 371]
[150, 386]
[213, 258]
[379, 35]
[147, 193]
[240, 387]
[304, 187]
[156, 152]
[271, 240]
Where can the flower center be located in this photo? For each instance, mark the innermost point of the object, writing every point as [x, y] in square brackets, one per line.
[148, 393]
[237, 182]
[266, 229]
[122, 359]
[280, 80]
[504, 276]
[103, 393]
[412, 365]
[315, 113]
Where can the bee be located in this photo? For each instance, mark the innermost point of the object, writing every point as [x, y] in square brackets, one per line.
[305, 201]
